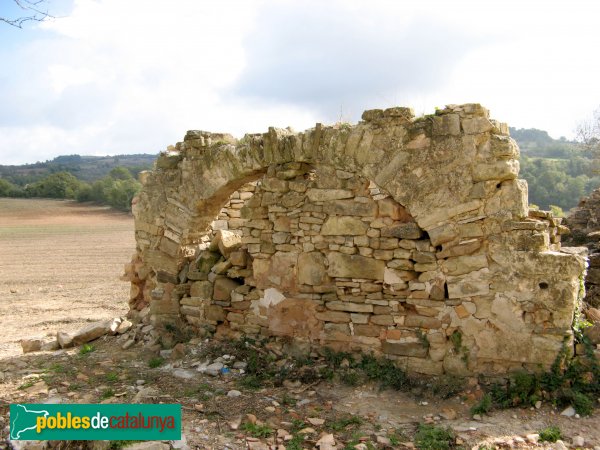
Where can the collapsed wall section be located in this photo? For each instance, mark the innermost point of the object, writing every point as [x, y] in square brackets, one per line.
[406, 237]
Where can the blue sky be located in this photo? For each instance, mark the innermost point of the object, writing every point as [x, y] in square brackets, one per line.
[113, 76]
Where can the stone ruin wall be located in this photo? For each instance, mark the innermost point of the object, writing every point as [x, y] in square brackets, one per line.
[410, 238]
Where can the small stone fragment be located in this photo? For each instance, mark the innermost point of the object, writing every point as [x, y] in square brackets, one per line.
[234, 393]
[31, 345]
[316, 421]
[569, 412]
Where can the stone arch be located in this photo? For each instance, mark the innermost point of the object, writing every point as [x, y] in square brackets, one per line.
[454, 172]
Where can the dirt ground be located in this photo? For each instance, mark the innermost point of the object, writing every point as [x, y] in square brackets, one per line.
[60, 263]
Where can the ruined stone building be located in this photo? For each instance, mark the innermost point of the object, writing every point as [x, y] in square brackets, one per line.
[407, 237]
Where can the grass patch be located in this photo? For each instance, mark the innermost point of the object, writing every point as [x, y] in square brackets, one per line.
[483, 406]
[86, 348]
[155, 362]
[288, 400]
[295, 443]
[397, 436]
[344, 422]
[550, 434]
[107, 393]
[28, 384]
[112, 377]
[431, 437]
[257, 431]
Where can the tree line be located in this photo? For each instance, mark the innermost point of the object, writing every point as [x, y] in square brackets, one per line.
[116, 189]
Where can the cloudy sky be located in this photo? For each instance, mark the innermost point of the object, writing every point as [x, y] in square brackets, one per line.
[131, 76]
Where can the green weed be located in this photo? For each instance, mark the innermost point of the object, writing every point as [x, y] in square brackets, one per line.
[112, 377]
[431, 437]
[483, 406]
[550, 434]
[86, 348]
[257, 431]
[155, 362]
[343, 423]
[107, 393]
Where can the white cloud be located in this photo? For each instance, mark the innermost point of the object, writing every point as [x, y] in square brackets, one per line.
[124, 77]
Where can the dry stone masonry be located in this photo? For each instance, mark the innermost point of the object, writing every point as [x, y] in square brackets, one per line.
[407, 237]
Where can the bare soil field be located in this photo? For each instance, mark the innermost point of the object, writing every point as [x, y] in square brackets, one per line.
[60, 263]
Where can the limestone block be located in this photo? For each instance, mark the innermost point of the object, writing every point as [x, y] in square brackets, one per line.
[409, 230]
[282, 223]
[31, 345]
[239, 258]
[351, 208]
[349, 307]
[504, 147]
[409, 348]
[432, 217]
[359, 318]
[295, 317]
[463, 248]
[280, 270]
[472, 284]
[169, 247]
[425, 267]
[424, 366]
[91, 332]
[292, 199]
[343, 225]
[461, 312]
[382, 319]
[221, 267]
[354, 266]
[194, 311]
[423, 257]
[280, 237]
[447, 124]
[464, 264]
[223, 287]
[65, 340]
[225, 242]
[160, 260]
[367, 330]
[206, 260]
[403, 264]
[202, 289]
[333, 316]
[215, 313]
[388, 207]
[476, 125]
[470, 230]
[195, 301]
[274, 185]
[415, 320]
[312, 269]
[442, 234]
[499, 170]
[325, 195]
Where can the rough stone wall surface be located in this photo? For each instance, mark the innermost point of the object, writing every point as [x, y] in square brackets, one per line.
[584, 224]
[410, 238]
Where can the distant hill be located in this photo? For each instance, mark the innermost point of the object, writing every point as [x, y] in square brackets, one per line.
[85, 168]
